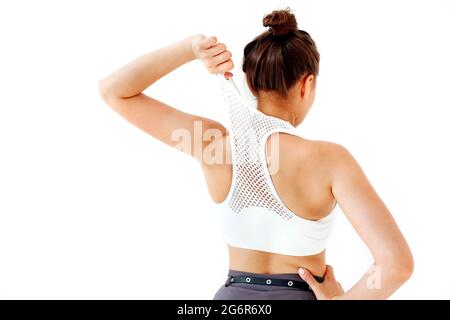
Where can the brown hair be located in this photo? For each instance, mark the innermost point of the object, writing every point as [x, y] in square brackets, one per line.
[280, 56]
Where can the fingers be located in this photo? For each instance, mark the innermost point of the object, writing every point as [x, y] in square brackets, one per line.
[215, 56]
[308, 278]
[221, 57]
[216, 49]
[225, 66]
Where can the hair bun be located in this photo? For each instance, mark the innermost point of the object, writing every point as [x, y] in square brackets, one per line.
[280, 22]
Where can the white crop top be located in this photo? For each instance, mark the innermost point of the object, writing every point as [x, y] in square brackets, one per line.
[253, 215]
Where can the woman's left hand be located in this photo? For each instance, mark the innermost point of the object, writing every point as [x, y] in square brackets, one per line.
[328, 289]
[215, 56]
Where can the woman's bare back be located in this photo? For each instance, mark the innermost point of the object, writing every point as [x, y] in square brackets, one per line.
[303, 182]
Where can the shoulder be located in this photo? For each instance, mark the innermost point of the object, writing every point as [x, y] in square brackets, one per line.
[335, 155]
[321, 149]
[326, 155]
[341, 164]
[331, 150]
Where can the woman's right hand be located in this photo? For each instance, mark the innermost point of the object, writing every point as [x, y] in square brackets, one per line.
[215, 56]
[328, 289]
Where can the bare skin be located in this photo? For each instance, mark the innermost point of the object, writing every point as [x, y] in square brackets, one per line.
[311, 196]
[313, 175]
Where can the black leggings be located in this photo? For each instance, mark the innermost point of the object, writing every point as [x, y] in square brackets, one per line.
[247, 291]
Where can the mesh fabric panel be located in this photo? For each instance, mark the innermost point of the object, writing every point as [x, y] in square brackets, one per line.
[252, 186]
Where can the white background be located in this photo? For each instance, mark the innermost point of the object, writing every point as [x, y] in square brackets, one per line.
[91, 207]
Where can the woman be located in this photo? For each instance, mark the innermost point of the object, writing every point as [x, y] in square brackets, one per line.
[277, 223]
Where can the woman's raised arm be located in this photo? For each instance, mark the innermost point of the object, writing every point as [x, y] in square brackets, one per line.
[122, 91]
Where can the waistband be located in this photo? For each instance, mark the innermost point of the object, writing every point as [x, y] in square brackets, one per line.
[284, 276]
[286, 280]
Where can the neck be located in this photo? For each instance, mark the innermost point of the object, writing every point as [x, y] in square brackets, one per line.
[282, 111]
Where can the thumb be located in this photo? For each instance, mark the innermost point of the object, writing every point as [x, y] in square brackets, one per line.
[207, 43]
[329, 273]
[196, 41]
[308, 277]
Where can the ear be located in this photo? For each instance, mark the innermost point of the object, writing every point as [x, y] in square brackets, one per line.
[307, 85]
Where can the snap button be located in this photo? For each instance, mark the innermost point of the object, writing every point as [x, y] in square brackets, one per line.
[268, 281]
[290, 283]
[247, 279]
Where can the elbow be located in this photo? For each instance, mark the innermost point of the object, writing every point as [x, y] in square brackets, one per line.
[103, 90]
[108, 93]
[401, 269]
[404, 271]
[406, 267]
